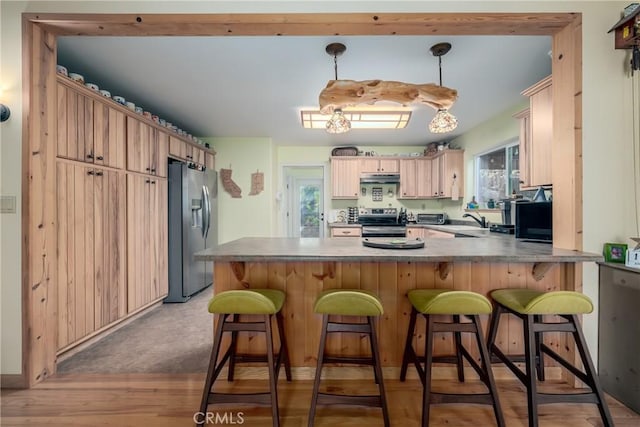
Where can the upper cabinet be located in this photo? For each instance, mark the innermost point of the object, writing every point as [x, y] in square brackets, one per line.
[536, 135]
[89, 131]
[345, 178]
[447, 170]
[373, 165]
[147, 148]
[407, 188]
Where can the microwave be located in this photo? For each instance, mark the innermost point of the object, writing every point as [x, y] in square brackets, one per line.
[534, 221]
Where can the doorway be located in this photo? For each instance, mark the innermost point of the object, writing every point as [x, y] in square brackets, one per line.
[304, 214]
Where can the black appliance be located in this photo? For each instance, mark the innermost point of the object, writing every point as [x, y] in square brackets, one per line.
[534, 221]
[381, 222]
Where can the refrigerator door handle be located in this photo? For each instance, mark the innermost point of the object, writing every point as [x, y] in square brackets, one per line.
[206, 215]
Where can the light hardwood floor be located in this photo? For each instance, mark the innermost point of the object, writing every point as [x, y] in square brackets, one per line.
[172, 400]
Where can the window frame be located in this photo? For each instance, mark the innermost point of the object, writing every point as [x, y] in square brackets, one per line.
[509, 143]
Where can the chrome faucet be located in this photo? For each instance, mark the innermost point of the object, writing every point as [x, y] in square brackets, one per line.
[482, 221]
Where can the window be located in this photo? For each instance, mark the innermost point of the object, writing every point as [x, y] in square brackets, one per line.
[497, 173]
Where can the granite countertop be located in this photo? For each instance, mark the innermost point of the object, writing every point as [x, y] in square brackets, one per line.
[435, 250]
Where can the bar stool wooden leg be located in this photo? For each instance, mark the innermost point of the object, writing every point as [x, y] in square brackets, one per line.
[272, 374]
[212, 371]
[233, 348]
[377, 369]
[409, 354]
[283, 353]
[590, 371]
[316, 382]
[458, 341]
[539, 354]
[428, 362]
[488, 379]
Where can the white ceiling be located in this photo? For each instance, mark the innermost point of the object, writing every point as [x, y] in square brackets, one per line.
[256, 86]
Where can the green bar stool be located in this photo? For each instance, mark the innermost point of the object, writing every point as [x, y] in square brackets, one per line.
[430, 302]
[530, 305]
[346, 302]
[228, 305]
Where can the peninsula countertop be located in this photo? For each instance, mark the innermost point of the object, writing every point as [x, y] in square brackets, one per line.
[277, 249]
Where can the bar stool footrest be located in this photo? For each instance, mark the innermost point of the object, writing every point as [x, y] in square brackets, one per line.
[477, 398]
[259, 398]
[347, 399]
[567, 398]
[352, 360]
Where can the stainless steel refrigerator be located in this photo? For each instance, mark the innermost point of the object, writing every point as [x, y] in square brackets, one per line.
[193, 227]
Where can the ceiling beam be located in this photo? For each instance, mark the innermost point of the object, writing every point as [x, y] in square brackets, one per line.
[346, 24]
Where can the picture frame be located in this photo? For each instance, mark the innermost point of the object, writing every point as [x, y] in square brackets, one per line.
[615, 252]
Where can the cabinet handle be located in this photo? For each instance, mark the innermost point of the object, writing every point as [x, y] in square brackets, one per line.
[147, 181]
[153, 171]
[147, 169]
[153, 182]
[99, 173]
[346, 232]
[90, 173]
[89, 156]
[99, 158]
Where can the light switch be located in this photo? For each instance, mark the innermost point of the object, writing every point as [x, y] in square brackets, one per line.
[7, 204]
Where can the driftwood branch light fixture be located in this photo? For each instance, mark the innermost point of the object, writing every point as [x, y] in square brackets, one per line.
[339, 94]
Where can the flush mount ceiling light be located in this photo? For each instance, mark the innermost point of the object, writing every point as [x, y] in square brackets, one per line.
[339, 94]
[443, 121]
[338, 123]
[363, 117]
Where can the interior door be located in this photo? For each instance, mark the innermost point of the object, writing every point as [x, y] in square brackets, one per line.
[307, 213]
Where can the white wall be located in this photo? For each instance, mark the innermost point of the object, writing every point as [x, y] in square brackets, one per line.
[609, 213]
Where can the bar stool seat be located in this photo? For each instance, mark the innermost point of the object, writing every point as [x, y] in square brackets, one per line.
[428, 302]
[228, 305]
[530, 305]
[349, 302]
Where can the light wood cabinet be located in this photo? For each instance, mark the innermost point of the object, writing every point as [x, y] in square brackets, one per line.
[415, 232]
[209, 161]
[345, 178]
[89, 131]
[407, 189]
[536, 157]
[91, 252]
[373, 165]
[346, 232]
[524, 147]
[146, 148]
[424, 178]
[447, 171]
[146, 240]
[190, 153]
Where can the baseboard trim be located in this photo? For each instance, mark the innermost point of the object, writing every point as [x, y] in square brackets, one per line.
[13, 381]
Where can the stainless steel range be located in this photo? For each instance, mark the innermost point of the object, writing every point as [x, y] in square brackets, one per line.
[381, 222]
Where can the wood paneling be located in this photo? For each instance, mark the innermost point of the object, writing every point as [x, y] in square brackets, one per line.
[303, 281]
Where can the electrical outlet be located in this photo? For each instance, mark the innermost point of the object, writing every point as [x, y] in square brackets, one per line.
[7, 204]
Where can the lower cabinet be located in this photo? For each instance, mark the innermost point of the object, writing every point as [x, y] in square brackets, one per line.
[415, 232]
[147, 243]
[346, 232]
[92, 282]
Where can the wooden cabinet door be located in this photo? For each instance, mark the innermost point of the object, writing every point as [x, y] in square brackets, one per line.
[160, 236]
[209, 161]
[110, 246]
[109, 133]
[198, 156]
[415, 233]
[75, 125]
[389, 165]
[524, 148]
[541, 136]
[451, 173]
[147, 244]
[423, 178]
[369, 165]
[407, 179]
[177, 147]
[345, 178]
[346, 232]
[137, 146]
[138, 245]
[75, 211]
[162, 152]
[188, 152]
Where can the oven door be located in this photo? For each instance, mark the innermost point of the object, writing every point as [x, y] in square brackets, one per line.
[384, 231]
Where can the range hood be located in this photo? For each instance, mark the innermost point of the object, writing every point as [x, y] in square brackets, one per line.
[380, 178]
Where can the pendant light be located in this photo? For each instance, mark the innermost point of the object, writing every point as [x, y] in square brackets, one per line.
[338, 123]
[443, 121]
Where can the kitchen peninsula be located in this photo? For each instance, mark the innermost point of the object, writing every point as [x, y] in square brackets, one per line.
[305, 267]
